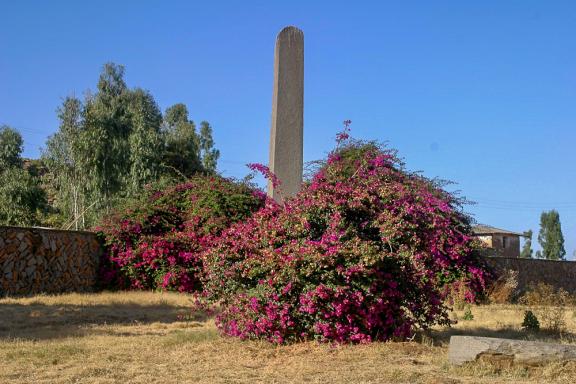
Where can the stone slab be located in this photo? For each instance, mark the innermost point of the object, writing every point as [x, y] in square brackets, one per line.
[464, 349]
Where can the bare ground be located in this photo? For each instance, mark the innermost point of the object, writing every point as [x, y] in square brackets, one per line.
[136, 337]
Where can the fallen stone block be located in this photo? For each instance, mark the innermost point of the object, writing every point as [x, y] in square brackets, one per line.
[465, 349]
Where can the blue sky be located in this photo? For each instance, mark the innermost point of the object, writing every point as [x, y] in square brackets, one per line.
[482, 93]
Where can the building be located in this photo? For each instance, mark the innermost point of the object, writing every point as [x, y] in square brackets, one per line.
[501, 242]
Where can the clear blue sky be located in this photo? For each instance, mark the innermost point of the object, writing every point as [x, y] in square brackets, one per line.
[482, 93]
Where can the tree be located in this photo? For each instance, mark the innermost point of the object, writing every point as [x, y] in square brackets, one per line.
[182, 142]
[176, 114]
[11, 144]
[107, 147]
[527, 248]
[550, 237]
[21, 197]
[63, 157]
[145, 141]
[209, 154]
[104, 145]
[112, 144]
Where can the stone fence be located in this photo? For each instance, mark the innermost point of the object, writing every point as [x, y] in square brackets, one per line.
[559, 274]
[39, 260]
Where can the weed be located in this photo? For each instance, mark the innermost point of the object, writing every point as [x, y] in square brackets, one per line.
[530, 322]
[468, 314]
[549, 305]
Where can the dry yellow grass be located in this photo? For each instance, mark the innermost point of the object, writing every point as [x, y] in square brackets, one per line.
[134, 337]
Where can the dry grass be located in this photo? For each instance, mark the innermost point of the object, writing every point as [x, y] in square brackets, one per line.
[135, 338]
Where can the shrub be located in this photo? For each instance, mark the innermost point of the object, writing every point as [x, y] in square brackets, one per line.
[364, 252]
[157, 243]
[549, 304]
[530, 322]
[468, 314]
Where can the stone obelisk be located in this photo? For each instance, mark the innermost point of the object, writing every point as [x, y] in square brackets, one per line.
[286, 134]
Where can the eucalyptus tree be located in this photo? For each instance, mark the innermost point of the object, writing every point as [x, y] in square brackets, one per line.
[21, 198]
[114, 142]
[181, 141]
[145, 140]
[63, 156]
[104, 148]
[208, 153]
[550, 237]
[526, 251]
[11, 145]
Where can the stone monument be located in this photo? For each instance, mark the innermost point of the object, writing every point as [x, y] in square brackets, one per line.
[286, 134]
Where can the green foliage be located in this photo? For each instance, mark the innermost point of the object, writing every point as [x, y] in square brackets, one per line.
[67, 180]
[527, 248]
[550, 237]
[530, 322]
[208, 153]
[11, 144]
[182, 152]
[176, 114]
[144, 140]
[21, 198]
[104, 137]
[114, 143]
[468, 316]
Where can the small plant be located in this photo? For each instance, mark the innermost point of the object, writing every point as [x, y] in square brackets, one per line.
[549, 304]
[530, 322]
[468, 314]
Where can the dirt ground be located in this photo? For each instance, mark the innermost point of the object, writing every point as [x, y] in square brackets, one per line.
[139, 337]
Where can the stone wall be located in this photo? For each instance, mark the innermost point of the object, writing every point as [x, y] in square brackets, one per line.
[560, 274]
[38, 260]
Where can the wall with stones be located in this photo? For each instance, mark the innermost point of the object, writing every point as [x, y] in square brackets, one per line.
[560, 274]
[38, 260]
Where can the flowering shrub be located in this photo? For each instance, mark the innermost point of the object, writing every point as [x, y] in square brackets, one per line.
[158, 243]
[364, 252]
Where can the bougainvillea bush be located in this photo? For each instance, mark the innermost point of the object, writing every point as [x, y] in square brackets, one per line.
[364, 252]
[158, 242]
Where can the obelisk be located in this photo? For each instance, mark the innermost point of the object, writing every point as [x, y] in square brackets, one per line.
[286, 134]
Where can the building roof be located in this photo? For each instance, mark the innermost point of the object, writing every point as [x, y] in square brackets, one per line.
[488, 230]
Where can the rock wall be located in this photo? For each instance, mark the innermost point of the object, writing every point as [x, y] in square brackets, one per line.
[559, 274]
[38, 260]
